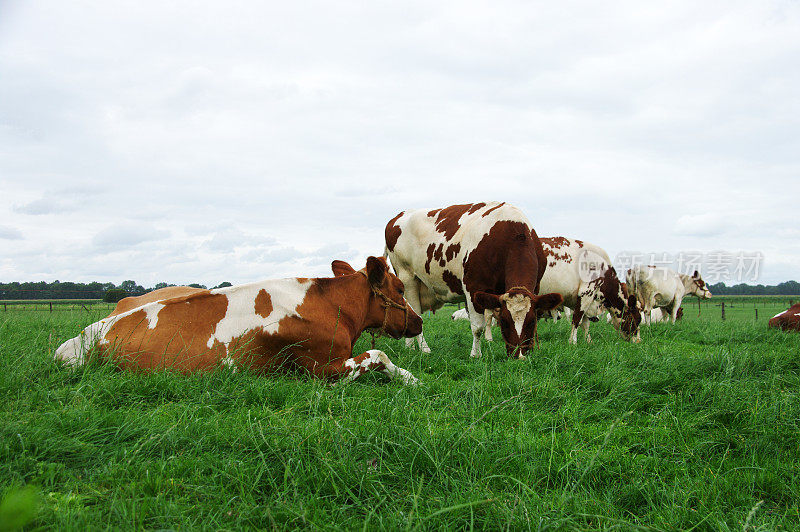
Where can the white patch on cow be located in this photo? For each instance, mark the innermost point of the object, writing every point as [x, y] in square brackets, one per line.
[376, 357]
[518, 306]
[780, 314]
[460, 314]
[286, 295]
[151, 311]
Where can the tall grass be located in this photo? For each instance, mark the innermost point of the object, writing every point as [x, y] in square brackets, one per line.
[697, 426]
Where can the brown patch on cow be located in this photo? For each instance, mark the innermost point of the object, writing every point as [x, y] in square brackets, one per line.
[452, 251]
[130, 303]
[552, 243]
[789, 320]
[610, 289]
[429, 252]
[579, 242]
[493, 208]
[393, 232]
[438, 255]
[506, 256]
[178, 341]
[476, 207]
[263, 303]
[447, 219]
[452, 282]
[433, 213]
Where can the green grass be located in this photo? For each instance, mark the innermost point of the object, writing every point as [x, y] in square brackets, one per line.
[697, 426]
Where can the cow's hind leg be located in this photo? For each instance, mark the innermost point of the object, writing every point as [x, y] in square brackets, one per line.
[372, 360]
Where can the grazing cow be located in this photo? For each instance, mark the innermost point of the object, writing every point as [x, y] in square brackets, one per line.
[310, 324]
[485, 254]
[663, 287]
[657, 315]
[788, 320]
[582, 273]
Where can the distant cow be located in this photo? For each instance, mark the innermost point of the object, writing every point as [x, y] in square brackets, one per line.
[304, 323]
[663, 287]
[582, 273]
[657, 315]
[486, 254]
[788, 320]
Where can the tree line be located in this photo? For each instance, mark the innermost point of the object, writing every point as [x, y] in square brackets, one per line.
[786, 288]
[93, 290]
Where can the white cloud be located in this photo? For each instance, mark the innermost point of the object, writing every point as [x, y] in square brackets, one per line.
[10, 233]
[124, 236]
[240, 141]
[708, 224]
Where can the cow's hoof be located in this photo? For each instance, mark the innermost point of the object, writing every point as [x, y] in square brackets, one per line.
[425, 349]
[522, 357]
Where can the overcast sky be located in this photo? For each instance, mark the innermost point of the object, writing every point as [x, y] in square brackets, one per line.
[170, 141]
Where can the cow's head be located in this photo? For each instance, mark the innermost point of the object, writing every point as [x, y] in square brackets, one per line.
[386, 308]
[698, 286]
[516, 311]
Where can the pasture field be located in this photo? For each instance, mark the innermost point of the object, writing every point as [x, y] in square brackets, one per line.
[697, 427]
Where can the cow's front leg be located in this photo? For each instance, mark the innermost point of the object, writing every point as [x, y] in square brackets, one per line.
[577, 319]
[586, 335]
[477, 324]
[412, 296]
[372, 360]
[487, 317]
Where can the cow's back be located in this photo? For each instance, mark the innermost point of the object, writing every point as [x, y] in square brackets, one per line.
[434, 244]
[788, 320]
[130, 303]
[565, 257]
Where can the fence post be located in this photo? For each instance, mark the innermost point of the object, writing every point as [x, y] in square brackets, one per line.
[51, 306]
[756, 313]
[723, 310]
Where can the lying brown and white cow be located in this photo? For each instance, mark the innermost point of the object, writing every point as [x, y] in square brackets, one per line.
[310, 324]
[788, 320]
[486, 254]
[582, 273]
[663, 287]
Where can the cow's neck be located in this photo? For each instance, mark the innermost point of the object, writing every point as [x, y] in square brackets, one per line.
[351, 294]
[688, 283]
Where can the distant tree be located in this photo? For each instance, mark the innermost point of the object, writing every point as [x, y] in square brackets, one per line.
[223, 284]
[132, 288]
[197, 285]
[159, 286]
[114, 295]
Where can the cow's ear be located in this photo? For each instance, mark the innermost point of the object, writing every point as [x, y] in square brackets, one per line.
[632, 302]
[376, 270]
[548, 301]
[341, 268]
[486, 301]
[696, 274]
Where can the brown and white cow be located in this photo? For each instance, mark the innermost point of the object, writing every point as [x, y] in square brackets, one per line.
[788, 320]
[486, 254]
[309, 324]
[582, 273]
[663, 287]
